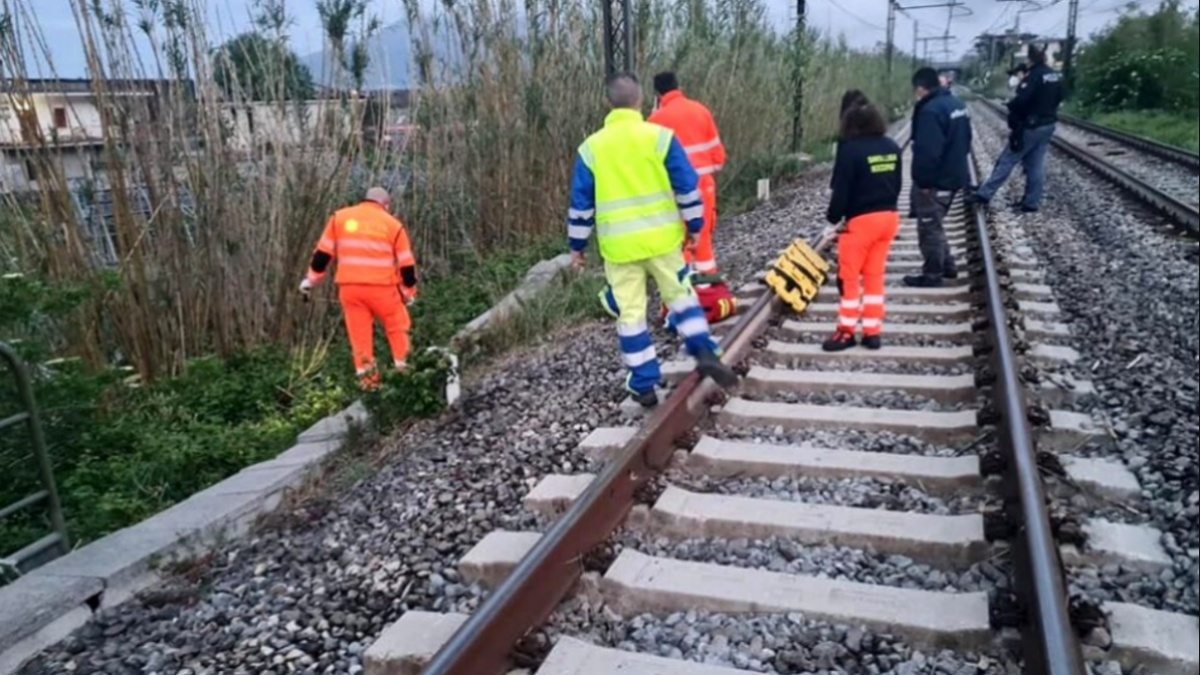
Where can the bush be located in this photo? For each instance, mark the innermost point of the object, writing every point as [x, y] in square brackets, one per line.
[1145, 61]
[418, 392]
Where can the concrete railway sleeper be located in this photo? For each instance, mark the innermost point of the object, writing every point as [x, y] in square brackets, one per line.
[882, 509]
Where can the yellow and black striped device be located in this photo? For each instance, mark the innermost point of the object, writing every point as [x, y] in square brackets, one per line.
[797, 276]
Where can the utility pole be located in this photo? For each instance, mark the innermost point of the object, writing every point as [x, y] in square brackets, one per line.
[618, 37]
[914, 49]
[798, 74]
[1069, 57]
[891, 34]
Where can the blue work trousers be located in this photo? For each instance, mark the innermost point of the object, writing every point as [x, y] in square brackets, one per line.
[1032, 157]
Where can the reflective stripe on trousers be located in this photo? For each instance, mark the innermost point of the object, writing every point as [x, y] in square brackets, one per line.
[628, 284]
[862, 259]
[362, 304]
[704, 258]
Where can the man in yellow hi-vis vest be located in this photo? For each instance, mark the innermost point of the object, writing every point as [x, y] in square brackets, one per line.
[633, 182]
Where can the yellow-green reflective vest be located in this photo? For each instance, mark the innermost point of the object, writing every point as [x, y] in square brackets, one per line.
[637, 217]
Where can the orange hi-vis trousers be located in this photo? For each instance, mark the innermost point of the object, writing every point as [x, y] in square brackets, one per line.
[704, 260]
[862, 258]
[361, 305]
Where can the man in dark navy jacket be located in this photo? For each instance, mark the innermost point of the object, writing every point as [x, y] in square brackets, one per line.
[941, 142]
[1032, 115]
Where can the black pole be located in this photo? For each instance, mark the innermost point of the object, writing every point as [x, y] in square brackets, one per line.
[798, 74]
[914, 52]
[1069, 57]
[618, 37]
[891, 34]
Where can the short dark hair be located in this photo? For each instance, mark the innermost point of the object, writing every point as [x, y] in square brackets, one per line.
[862, 120]
[926, 78]
[852, 97]
[1036, 54]
[665, 82]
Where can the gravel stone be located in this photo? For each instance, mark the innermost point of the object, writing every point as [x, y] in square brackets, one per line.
[1128, 287]
[786, 556]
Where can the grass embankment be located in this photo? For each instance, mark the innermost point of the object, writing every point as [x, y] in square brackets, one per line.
[190, 286]
[1180, 130]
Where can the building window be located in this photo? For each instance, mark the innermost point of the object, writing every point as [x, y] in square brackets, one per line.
[60, 118]
[31, 173]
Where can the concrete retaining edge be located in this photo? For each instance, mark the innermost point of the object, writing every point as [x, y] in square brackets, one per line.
[49, 603]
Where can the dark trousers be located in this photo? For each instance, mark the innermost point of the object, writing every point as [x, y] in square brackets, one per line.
[932, 207]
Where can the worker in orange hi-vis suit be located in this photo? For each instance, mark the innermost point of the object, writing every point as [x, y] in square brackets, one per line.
[696, 130]
[376, 278]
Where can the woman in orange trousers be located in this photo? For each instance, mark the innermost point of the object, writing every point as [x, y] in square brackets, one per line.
[866, 190]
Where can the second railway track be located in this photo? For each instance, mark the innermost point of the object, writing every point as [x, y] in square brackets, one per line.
[867, 511]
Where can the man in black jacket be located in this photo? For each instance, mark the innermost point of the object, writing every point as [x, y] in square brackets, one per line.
[941, 142]
[1032, 115]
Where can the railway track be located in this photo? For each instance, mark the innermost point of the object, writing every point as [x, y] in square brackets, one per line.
[919, 457]
[1167, 179]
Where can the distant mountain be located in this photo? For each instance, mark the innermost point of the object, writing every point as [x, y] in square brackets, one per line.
[390, 62]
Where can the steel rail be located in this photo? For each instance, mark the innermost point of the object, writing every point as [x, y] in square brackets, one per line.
[546, 574]
[1048, 640]
[1170, 153]
[1183, 215]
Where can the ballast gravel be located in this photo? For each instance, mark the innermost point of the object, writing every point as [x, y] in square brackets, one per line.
[1128, 286]
[866, 493]
[785, 556]
[844, 440]
[311, 591]
[770, 643]
[889, 399]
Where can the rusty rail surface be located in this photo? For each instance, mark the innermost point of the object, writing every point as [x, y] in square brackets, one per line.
[1048, 640]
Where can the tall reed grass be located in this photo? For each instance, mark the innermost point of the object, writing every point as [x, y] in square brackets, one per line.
[210, 265]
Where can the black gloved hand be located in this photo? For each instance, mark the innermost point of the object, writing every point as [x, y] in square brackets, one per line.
[1015, 141]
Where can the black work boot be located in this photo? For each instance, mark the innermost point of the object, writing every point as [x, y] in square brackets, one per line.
[647, 399]
[709, 365]
[872, 342]
[922, 281]
[950, 274]
[840, 341]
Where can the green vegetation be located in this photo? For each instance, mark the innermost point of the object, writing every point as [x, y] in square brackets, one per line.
[1178, 129]
[124, 450]
[1142, 75]
[169, 345]
[251, 62]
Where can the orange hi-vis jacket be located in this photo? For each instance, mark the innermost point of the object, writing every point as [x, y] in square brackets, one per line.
[369, 245]
[696, 130]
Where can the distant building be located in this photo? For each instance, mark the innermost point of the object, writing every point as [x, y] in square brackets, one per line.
[1054, 48]
[65, 117]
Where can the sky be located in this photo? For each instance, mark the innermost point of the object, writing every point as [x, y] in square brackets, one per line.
[861, 22]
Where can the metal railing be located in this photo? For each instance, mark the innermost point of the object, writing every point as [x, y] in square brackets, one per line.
[48, 495]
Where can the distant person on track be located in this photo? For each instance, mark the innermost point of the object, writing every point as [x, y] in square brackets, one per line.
[867, 175]
[634, 185]
[376, 278]
[694, 126]
[1032, 117]
[941, 143]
